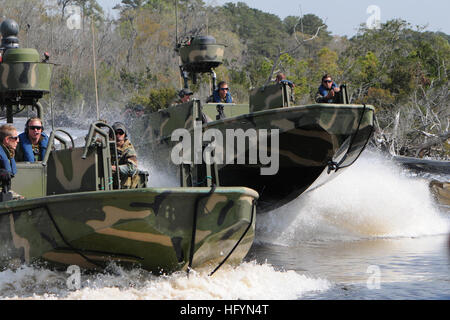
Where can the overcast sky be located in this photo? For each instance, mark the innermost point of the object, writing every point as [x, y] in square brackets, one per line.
[344, 17]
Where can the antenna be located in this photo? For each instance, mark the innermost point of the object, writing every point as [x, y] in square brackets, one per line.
[177, 45]
[28, 30]
[51, 93]
[176, 23]
[95, 68]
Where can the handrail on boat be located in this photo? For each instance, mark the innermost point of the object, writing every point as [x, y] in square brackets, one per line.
[51, 141]
[96, 127]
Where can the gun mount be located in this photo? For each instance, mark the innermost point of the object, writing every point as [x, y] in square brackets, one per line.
[200, 54]
[24, 79]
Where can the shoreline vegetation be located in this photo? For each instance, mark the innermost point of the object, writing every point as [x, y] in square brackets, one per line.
[403, 71]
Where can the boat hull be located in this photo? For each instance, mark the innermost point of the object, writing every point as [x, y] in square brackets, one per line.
[316, 142]
[311, 140]
[151, 228]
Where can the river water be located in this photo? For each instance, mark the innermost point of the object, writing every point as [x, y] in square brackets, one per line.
[374, 232]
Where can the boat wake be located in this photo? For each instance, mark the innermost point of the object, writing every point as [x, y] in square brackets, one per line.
[248, 281]
[374, 198]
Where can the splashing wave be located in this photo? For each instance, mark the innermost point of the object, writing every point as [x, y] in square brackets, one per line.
[247, 281]
[373, 198]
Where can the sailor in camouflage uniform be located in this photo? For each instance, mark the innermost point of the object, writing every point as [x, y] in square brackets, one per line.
[184, 95]
[127, 156]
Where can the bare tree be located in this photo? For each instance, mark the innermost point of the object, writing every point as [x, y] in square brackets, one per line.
[298, 44]
[64, 4]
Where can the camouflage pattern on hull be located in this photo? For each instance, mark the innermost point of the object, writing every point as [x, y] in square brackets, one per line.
[312, 138]
[150, 228]
[309, 138]
[77, 211]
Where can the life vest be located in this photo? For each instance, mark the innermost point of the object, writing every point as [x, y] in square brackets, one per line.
[27, 147]
[217, 99]
[324, 91]
[7, 163]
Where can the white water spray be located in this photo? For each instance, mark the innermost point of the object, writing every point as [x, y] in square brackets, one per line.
[373, 198]
[248, 281]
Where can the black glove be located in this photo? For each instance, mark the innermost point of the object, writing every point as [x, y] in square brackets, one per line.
[5, 179]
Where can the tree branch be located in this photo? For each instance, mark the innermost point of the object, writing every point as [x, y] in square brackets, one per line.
[299, 44]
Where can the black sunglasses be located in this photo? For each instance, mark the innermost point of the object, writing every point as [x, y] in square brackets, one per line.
[327, 81]
[120, 132]
[14, 138]
[35, 127]
[224, 89]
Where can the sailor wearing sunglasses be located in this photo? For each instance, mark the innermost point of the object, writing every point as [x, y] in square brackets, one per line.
[33, 142]
[222, 94]
[327, 90]
[8, 140]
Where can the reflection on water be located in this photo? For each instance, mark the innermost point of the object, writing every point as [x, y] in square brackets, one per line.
[374, 214]
[402, 262]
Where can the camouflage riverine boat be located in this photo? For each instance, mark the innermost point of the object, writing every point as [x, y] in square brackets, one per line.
[148, 228]
[316, 141]
[75, 211]
[72, 214]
